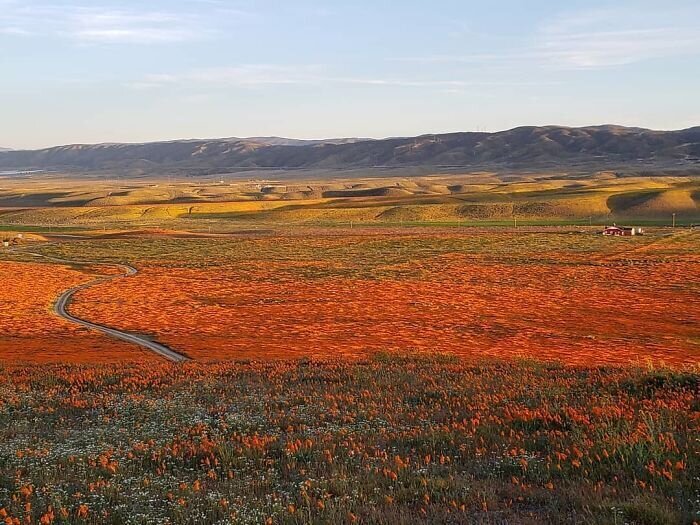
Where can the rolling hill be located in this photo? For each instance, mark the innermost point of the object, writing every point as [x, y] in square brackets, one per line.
[518, 147]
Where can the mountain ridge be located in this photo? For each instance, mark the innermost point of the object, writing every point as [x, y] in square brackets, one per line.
[521, 146]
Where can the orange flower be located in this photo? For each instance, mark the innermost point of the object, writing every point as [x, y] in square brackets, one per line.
[47, 518]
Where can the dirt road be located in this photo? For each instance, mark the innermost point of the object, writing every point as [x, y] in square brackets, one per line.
[63, 302]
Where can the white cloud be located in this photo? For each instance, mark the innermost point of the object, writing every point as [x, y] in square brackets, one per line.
[129, 27]
[617, 36]
[258, 75]
[92, 24]
[14, 31]
[249, 75]
[594, 39]
[450, 85]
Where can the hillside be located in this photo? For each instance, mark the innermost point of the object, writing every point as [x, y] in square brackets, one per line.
[518, 147]
[282, 141]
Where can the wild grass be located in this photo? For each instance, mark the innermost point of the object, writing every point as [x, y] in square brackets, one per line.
[392, 439]
[365, 249]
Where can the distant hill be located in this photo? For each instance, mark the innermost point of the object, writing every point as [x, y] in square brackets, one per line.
[524, 146]
[281, 141]
[5, 149]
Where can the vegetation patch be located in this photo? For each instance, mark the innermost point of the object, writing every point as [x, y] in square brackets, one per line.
[391, 439]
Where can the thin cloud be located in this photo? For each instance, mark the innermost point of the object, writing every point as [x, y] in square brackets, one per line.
[617, 48]
[448, 85]
[617, 36]
[128, 27]
[269, 75]
[250, 75]
[91, 24]
[593, 39]
[14, 31]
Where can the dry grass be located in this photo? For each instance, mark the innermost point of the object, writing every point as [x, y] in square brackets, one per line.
[439, 198]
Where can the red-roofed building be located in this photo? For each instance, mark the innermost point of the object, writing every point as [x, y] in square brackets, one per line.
[621, 231]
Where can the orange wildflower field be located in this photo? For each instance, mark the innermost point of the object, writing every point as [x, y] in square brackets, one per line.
[341, 377]
[30, 332]
[390, 440]
[495, 295]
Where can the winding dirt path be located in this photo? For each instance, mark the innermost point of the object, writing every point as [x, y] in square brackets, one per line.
[63, 302]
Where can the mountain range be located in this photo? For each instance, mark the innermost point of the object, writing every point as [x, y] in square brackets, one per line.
[519, 147]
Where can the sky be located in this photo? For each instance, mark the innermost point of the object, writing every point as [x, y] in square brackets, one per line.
[143, 70]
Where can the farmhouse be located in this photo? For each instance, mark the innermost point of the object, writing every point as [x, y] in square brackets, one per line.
[621, 231]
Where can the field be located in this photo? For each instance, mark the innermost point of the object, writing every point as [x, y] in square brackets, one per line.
[388, 440]
[558, 295]
[369, 373]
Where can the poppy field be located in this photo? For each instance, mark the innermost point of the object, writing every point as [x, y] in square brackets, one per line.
[29, 332]
[392, 439]
[389, 376]
[571, 297]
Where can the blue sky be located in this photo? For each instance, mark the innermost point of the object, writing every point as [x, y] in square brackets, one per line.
[97, 71]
